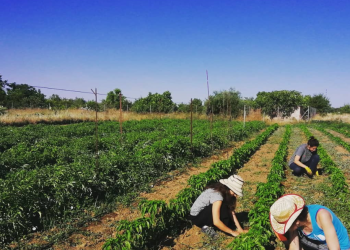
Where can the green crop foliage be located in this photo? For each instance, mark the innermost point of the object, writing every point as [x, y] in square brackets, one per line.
[49, 174]
[260, 233]
[164, 219]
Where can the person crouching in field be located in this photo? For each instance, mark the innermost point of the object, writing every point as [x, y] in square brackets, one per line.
[305, 158]
[216, 205]
[302, 226]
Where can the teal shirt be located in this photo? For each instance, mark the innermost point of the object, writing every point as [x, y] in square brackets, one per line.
[318, 234]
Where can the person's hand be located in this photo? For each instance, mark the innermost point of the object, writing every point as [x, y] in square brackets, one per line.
[308, 171]
[234, 233]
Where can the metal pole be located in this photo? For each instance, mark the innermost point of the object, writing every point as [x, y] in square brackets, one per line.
[191, 127]
[211, 118]
[121, 115]
[244, 117]
[96, 130]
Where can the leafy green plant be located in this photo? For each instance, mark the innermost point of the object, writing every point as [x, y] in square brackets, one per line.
[260, 233]
[165, 218]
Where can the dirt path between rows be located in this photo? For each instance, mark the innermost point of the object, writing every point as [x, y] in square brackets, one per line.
[339, 155]
[253, 172]
[341, 136]
[310, 189]
[96, 233]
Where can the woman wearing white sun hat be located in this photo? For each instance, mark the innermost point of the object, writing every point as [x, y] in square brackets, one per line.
[215, 207]
[307, 226]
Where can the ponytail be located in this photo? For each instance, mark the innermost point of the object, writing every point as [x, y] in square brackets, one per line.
[313, 142]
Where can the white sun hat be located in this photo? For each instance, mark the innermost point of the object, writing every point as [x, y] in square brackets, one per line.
[285, 211]
[235, 183]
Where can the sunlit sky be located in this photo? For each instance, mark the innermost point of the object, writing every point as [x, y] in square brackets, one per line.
[143, 46]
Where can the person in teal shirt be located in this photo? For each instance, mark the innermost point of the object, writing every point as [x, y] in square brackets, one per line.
[307, 226]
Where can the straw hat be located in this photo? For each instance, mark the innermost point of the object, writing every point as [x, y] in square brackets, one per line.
[284, 212]
[235, 183]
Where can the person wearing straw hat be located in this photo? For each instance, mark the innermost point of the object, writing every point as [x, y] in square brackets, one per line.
[307, 226]
[215, 207]
[305, 158]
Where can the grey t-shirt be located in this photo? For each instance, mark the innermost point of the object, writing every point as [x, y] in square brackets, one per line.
[303, 152]
[209, 196]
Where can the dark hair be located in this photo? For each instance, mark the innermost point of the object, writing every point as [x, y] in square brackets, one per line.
[230, 200]
[313, 142]
[303, 215]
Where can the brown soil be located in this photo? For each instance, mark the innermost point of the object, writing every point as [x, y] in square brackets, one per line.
[94, 235]
[253, 172]
[339, 155]
[308, 188]
[341, 136]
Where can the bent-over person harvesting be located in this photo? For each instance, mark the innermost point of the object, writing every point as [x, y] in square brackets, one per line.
[302, 226]
[216, 207]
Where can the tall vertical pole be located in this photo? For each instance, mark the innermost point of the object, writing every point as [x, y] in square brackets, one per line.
[211, 118]
[191, 127]
[244, 117]
[96, 130]
[121, 115]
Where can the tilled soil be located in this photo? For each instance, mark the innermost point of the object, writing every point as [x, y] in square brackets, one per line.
[311, 189]
[95, 234]
[253, 172]
[339, 154]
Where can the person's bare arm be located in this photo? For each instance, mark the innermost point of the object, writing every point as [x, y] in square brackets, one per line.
[235, 220]
[300, 164]
[294, 240]
[324, 219]
[217, 222]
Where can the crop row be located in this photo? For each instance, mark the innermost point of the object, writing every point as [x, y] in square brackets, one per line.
[339, 191]
[35, 199]
[159, 218]
[64, 148]
[334, 138]
[341, 127]
[31, 134]
[260, 233]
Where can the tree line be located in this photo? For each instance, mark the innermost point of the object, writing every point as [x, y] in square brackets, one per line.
[227, 102]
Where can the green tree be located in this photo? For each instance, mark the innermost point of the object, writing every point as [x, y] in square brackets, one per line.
[113, 100]
[92, 105]
[224, 102]
[2, 91]
[24, 96]
[283, 102]
[155, 103]
[183, 107]
[197, 106]
[344, 109]
[321, 103]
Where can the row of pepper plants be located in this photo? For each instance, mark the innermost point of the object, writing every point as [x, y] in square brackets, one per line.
[57, 178]
[340, 127]
[260, 234]
[332, 137]
[160, 219]
[32, 147]
[338, 193]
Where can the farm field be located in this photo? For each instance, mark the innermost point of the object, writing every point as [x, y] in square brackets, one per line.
[50, 174]
[329, 189]
[157, 219]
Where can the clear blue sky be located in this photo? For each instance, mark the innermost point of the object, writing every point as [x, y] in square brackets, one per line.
[152, 46]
